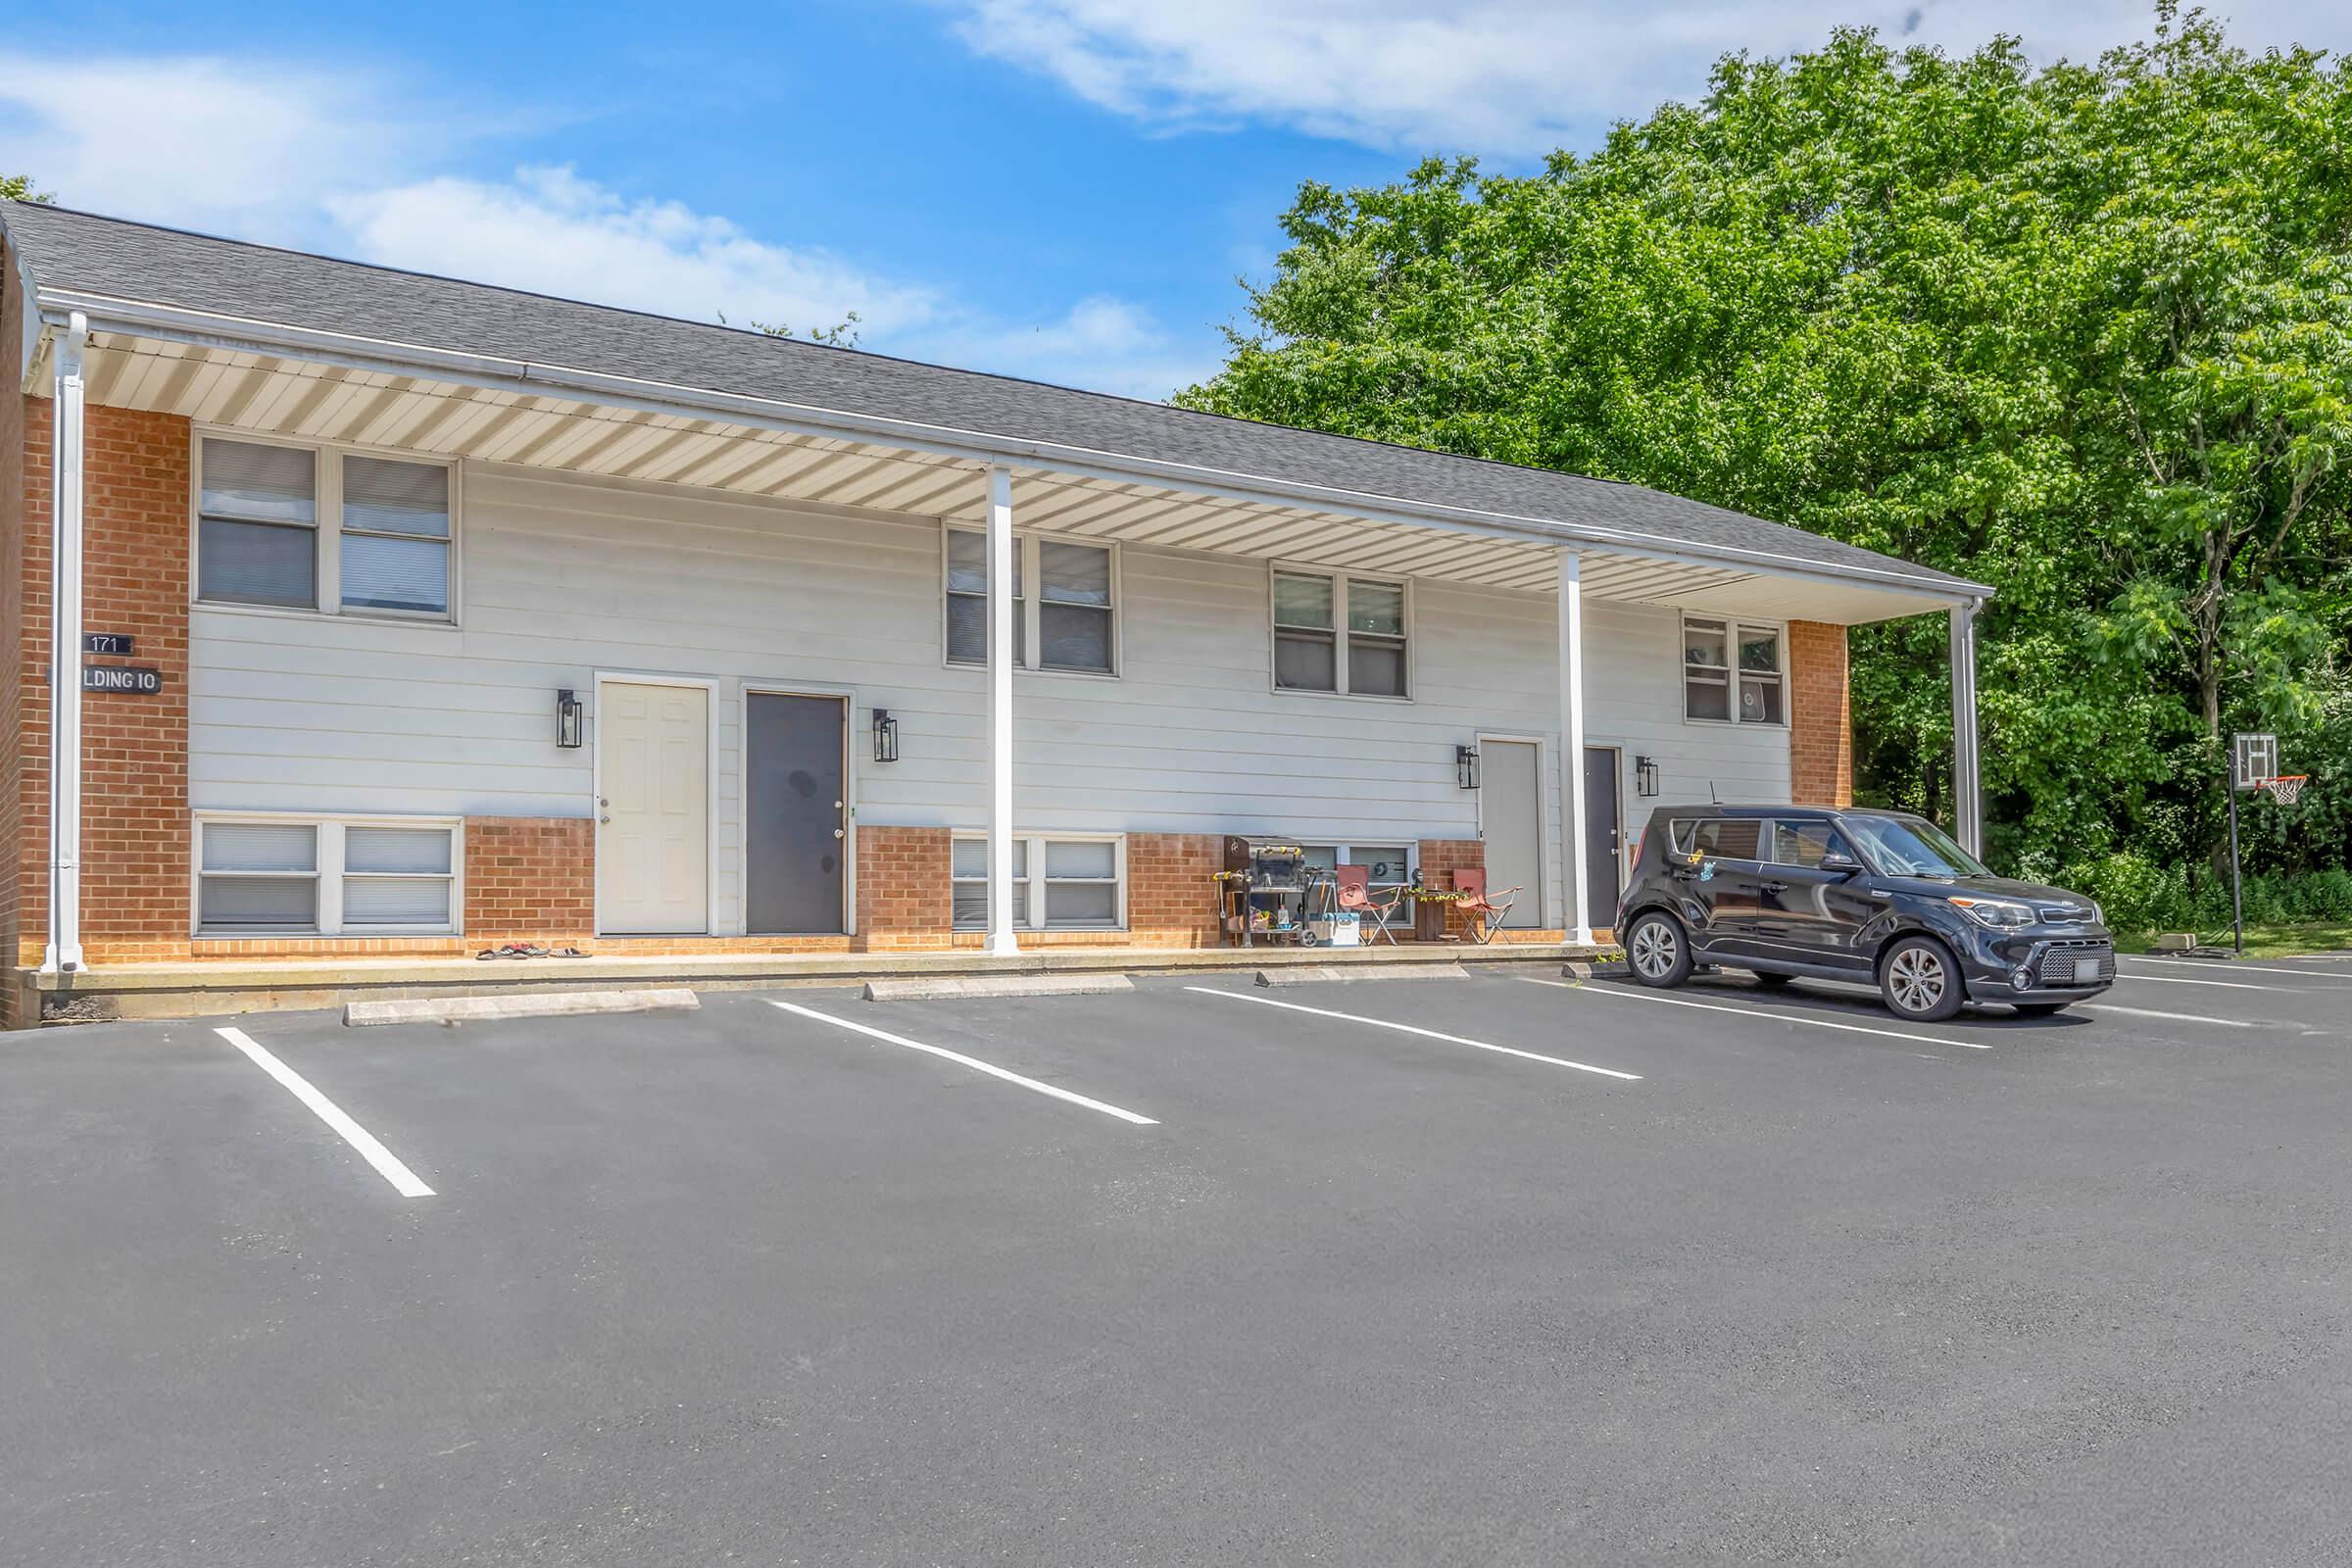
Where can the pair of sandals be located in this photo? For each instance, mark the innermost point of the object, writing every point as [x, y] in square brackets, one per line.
[529, 950]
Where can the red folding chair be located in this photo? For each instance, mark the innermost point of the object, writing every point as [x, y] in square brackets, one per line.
[1355, 897]
[1481, 914]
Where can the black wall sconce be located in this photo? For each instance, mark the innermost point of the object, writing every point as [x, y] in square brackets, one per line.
[886, 736]
[1465, 767]
[568, 719]
[1645, 776]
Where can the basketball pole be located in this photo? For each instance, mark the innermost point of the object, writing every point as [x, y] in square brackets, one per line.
[2237, 902]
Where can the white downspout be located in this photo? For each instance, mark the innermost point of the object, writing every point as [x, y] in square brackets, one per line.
[63, 953]
[1002, 606]
[1572, 744]
[1967, 801]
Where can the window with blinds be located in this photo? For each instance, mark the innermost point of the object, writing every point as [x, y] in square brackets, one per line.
[327, 876]
[395, 536]
[315, 528]
[257, 529]
[1057, 883]
[1065, 604]
[257, 876]
[1335, 632]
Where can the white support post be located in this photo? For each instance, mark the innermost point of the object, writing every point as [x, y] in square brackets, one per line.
[1002, 608]
[1572, 745]
[63, 952]
[1968, 806]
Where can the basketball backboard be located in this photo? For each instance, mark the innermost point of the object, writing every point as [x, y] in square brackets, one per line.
[2252, 758]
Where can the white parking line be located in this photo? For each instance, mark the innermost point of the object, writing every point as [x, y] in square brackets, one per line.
[1752, 1012]
[403, 1180]
[973, 1062]
[2168, 1018]
[1411, 1029]
[2238, 968]
[2179, 980]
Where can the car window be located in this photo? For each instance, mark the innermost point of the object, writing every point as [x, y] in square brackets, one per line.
[1910, 846]
[1728, 838]
[1806, 843]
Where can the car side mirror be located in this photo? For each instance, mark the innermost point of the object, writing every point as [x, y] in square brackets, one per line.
[1840, 865]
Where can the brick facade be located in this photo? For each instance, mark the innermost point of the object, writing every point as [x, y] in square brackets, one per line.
[530, 879]
[1439, 858]
[905, 898]
[134, 850]
[14, 847]
[1821, 729]
[1171, 889]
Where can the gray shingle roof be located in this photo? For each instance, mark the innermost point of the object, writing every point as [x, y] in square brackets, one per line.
[85, 253]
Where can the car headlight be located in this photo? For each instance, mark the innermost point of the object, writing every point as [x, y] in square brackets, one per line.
[2098, 912]
[1994, 912]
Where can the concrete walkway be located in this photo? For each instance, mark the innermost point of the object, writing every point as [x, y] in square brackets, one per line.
[200, 989]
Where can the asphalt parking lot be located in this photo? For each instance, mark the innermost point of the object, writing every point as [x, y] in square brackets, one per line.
[1487, 1271]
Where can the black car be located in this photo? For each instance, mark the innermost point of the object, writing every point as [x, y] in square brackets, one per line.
[1867, 896]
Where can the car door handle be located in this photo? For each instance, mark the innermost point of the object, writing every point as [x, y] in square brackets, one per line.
[1772, 887]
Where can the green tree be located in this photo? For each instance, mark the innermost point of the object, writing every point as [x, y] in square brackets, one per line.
[2083, 332]
[19, 188]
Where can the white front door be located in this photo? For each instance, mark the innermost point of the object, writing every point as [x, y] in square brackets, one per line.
[653, 838]
[1510, 813]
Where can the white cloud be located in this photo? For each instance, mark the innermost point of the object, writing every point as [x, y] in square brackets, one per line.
[354, 164]
[1511, 78]
[553, 232]
[249, 146]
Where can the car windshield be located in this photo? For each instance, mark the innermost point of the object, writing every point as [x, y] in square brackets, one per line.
[1911, 845]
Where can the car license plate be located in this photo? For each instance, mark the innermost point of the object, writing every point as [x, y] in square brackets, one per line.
[2086, 971]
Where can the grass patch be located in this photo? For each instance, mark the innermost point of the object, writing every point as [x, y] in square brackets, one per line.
[2262, 941]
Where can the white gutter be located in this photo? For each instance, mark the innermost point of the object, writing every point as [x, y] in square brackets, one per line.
[237, 334]
[63, 953]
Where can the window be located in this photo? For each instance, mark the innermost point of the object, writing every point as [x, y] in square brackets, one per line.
[1386, 867]
[318, 528]
[259, 876]
[1709, 675]
[1065, 603]
[330, 876]
[972, 883]
[1080, 882]
[1728, 838]
[395, 536]
[1806, 844]
[257, 528]
[1337, 633]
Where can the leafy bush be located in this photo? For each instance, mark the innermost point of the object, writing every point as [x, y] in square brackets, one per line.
[2143, 897]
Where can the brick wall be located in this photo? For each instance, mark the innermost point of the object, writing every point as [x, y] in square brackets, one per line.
[134, 852]
[530, 879]
[1821, 732]
[12, 621]
[1171, 891]
[1440, 860]
[904, 893]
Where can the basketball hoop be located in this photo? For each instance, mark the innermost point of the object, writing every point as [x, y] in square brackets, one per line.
[2285, 787]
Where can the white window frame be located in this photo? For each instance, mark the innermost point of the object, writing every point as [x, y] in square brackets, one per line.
[1339, 632]
[1027, 560]
[1036, 882]
[329, 872]
[1733, 626]
[327, 502]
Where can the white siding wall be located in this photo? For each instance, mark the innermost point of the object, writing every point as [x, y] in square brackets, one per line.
[564, 576]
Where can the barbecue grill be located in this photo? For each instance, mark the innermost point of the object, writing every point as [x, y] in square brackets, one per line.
[1268, 891]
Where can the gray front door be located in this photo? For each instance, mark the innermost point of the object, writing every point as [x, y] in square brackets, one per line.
[795, 775]
[1510, 810]
[1605, 838]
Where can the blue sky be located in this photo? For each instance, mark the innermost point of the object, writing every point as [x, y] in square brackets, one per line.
[1058, 188]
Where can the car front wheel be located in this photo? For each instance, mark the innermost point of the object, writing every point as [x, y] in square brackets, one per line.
[1657, 951]
[1921, 980]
